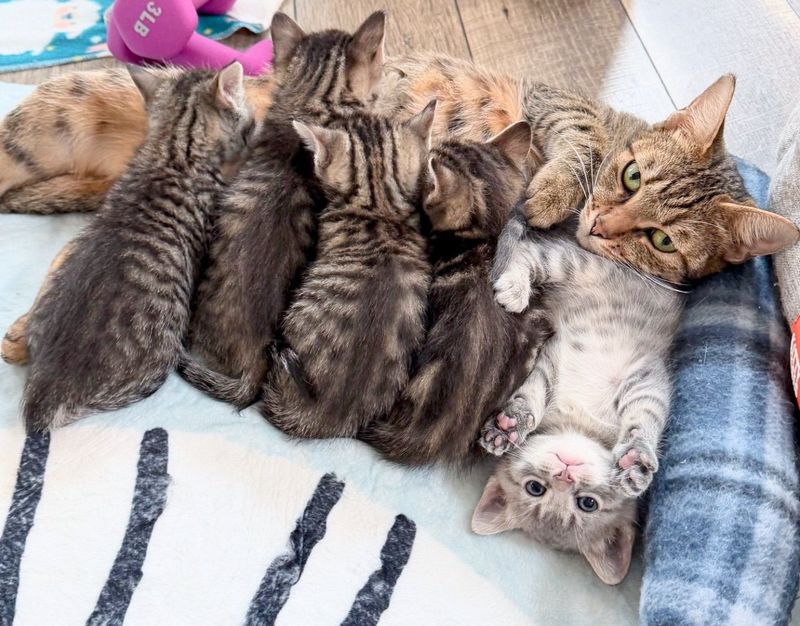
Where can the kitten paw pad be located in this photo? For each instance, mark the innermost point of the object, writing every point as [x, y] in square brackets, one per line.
[512, 293]
[497, 441]
[636, 464]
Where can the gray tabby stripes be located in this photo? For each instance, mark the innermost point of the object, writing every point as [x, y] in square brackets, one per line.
[373, 598]
[149, 498]
[287, 568]
[27, 493]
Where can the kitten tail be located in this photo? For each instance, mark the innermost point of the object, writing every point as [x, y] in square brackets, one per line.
[240, 392]
[289, 360]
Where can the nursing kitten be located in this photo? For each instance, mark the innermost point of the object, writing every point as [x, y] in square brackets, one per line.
[581, 434]
[267, 227]
[631, 181]
[359, 315]
[475, 353]
[110, 326]
[680, 182]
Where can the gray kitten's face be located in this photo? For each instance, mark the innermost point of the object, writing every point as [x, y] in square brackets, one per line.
[558, 489]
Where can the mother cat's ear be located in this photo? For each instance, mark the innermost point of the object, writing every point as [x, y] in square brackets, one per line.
[331, 149]
[515, 142]
[365, 55]
[703, 119]
[286, 34]
[492, 515]
[611, 558]
[755, 232]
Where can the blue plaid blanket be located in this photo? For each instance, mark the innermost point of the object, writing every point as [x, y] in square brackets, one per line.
[721, 540]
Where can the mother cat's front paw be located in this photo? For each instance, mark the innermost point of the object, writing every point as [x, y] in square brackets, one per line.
[635, 462]
[552, 195]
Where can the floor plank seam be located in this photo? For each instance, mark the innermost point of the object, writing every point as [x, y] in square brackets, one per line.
[647, 53]
[463, 30]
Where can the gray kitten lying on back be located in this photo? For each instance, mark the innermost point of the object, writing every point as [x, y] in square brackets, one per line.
[582, 432]
[111, 326]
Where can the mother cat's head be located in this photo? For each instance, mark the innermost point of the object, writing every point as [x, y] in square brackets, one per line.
[670, 201]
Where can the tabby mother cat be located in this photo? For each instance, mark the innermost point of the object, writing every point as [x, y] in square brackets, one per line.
[664, 198]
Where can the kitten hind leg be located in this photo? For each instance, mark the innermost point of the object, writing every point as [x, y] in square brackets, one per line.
[14, 349]
[523, 413]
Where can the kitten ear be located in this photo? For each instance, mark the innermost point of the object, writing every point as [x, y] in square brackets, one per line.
[703, 119]
[146, 81]
[286, 34]
[330, 149]
[445, 183]
[229, 86]
[365, 55]
[422, 122]
[756, 232]
[611, 559]
[515, 142]
[492, 516]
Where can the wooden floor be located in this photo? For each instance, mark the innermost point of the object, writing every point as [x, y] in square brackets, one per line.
[643, 56]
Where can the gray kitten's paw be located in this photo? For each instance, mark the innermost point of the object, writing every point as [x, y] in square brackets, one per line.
[635, 462]
[507, 429]
[513, 289]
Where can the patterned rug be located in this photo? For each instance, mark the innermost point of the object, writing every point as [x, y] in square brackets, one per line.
[39, 33]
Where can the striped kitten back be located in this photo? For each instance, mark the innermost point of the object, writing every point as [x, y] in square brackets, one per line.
[111, 324]
[358, 316]
[267, 227]
[475, 353]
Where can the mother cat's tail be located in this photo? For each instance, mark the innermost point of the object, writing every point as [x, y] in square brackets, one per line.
[59, 194]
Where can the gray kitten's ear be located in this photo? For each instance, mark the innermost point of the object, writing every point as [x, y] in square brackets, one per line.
[515, 142]
[492, 515]
[611, 559]
[286, 34]
[422, 122]
[146, 81]
[229, 87]
[756, 232]
[703, 119]
[331, 150]
[365, 55]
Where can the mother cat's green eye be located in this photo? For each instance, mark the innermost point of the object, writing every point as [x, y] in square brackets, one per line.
[661, 240]
[631, 177]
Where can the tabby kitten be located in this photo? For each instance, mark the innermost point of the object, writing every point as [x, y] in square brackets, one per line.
[111, 324]
[267, 228]
[582, 432]
[636, 185]
[359, 314]
[470, 190]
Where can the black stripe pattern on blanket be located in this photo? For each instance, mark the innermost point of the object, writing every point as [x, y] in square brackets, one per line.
[374, 597]
[27, 493]
[287, 568]
[149, 499]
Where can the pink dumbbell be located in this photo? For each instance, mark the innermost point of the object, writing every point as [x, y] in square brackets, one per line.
[146, 31]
